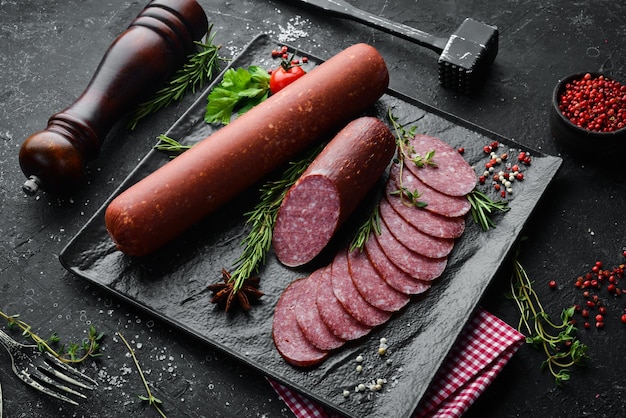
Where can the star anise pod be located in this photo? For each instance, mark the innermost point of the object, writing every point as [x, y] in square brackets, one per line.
[225, 293]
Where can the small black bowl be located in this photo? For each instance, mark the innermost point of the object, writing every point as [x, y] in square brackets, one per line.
[579, 141]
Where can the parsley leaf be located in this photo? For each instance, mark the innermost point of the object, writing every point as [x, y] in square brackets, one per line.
[240, 90]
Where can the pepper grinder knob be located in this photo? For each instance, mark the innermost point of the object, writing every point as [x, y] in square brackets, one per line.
[138, 62]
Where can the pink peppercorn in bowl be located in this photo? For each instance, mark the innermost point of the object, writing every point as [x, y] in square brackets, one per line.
[588, 115]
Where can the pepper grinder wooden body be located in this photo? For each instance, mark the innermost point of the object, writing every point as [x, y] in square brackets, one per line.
[138, 62]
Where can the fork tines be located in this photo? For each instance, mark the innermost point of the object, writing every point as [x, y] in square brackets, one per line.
[51, 373]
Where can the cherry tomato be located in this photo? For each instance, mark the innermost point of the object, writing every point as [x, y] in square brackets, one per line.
[285, 75]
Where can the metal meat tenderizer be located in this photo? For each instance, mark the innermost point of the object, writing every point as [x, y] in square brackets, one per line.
[466, 56]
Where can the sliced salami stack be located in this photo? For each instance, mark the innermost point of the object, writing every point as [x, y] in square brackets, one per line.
[362, 289]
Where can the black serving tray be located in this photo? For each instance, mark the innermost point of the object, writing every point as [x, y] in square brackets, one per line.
[172, 283]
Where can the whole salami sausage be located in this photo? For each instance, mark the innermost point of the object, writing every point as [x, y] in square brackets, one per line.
[330, 189]
[169, 201]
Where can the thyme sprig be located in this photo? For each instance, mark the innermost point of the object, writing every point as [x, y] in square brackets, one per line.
[482, 207]
[151, 399]
[557, 340]
[200, 68]
[403, 144]
[73, 353]
[262, 219]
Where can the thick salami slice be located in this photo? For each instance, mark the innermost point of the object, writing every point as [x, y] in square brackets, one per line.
[288, 338]
[416, 265]
[347, 294]
[425, 220]
[334, 315]
[309, 319]
[412, 238]
[372, 286]
[437, 202]
[452, 175]
[394, 277]
[330, 189]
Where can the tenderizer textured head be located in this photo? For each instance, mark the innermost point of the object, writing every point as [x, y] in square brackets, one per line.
[468, 56]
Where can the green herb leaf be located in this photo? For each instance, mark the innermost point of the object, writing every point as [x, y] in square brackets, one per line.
[239, 90]
[409, 198]
[426, 160]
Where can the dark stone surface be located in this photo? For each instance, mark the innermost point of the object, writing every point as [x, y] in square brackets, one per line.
[50, 49]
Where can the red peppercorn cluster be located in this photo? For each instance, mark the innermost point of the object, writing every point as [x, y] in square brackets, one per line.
[502, 178]
[283, 53]
[591, 284]
[596, 104]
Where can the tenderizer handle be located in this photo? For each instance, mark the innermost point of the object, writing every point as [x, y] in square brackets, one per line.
[341, 9]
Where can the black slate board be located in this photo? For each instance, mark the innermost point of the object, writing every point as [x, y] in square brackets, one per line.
[171, 284]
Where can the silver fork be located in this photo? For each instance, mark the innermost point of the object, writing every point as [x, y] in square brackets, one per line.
[44, 372]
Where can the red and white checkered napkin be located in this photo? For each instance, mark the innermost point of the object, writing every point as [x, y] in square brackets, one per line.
[485, 345]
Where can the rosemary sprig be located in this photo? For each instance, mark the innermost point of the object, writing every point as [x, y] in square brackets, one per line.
[171, 145]
[201, 67]
[371, 225]
[263, 217]
[151, 399]
[73, 353]
[557, 340]
[482, 207]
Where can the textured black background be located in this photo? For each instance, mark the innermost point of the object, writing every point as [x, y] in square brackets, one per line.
[48, 53]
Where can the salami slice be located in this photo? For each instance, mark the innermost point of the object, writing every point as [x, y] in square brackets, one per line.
[347, 294]
[437, 202]
[452, 175]
[334, 315]
[394, 277]
[425, 220]
[416, 265]
[288, 338]
[371, 285]
[309, 319]
[412, 238]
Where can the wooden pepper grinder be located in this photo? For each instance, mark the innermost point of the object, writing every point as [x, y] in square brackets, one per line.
[137, 63]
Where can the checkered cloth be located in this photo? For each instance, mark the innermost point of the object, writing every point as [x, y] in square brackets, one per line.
[488, 343]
